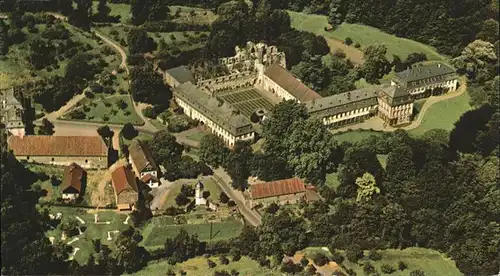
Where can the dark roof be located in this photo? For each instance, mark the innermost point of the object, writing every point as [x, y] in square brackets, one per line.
[141, 155]
[277, 188]
[123, 179]
[414, 76]
[287, 81]
[148, 177]
[222, 114]
[395, 91]
[181, 74]
[72, 177]
[344, 102]
[42, 145]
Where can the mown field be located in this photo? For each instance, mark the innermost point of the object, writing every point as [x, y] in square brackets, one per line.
[429, 261]
[199, 267]
[92, 231]
[362, 34]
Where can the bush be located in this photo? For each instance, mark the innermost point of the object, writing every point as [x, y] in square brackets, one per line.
[402, 265]
[320, 259]
[121, 104]
[348, 41]
[354, 253]
[357, 45]
[387, 269]
[368, 268]
[374, 255]
[272, 208]
[77, 114]
[223, 198]
[89, 94]
[223, 260]
[149, 112]
[304, 261]
[231, 203]
[417, 273]
[337, 257]
[211, 264]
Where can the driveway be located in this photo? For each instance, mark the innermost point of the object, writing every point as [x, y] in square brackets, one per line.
[160, 194]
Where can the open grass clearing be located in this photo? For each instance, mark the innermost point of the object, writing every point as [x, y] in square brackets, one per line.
[355, 136]
[141, 136]
[192, 15]
[365, 35]
[224, 230]
[208, 183]
[104, 109]
[123, 10]
[443, 115]
[93, 231]
[199, 267]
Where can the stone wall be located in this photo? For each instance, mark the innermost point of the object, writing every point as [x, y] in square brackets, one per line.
[87, 162]
[269, 85]
[228, 82]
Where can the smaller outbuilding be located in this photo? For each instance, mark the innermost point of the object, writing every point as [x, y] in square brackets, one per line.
[73, 182]
[143, 164]
[125, 186]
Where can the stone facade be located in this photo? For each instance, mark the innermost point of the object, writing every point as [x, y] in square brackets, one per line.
[11, 112]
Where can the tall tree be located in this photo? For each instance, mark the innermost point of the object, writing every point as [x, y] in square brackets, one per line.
[367, 187]
[4, 38]
[477, 60]
[239, 164]
[47, 128]
[139, 42]
[147, 86]
[164, 147]
[103, 11]
[213, 151]
[129, 255]
[81, 16]
[376, 64]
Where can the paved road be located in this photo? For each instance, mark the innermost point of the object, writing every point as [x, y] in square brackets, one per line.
[223, 180]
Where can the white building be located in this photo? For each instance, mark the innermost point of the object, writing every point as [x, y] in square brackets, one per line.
[198, 194]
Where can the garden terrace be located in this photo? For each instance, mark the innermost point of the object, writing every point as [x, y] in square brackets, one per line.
[246, 101]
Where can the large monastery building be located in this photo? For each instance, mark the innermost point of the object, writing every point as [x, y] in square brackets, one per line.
[256, 77]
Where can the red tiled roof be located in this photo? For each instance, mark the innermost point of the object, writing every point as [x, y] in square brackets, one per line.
[287, 81]
[277, 188]
[42, 145]
[148, 177]
[123, 179]
[73, 176]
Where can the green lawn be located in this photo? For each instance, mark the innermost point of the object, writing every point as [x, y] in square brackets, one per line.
[123, 10]
[443, 114]
[175, 189]
[199, 267]
[355, 135]
[141, 136]
[159, 228]
[100, 109]
[93, 231]
[197, 136]
[362, 34]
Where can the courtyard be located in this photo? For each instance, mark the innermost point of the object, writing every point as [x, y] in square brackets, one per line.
[246, 100]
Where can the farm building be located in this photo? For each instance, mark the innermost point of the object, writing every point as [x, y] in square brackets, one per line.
[143, 164]
[125, 186]
[86, 151]
[73, 182]
[286, 191]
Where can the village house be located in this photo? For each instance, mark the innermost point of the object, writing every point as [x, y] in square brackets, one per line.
[143, 164]
[11, 112]
[73, 183]
[281, 192]
[125, 187]
[87, 151]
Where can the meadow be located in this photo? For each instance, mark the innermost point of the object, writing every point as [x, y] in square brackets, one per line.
[364, 35]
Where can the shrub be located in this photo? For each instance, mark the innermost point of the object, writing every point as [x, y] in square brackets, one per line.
[129, 132]
[357, 45]
[304, 261]
[121, 104]
[211, 264]
[374, 255]
[417, 273]
[354, 253]
[86, 108]
[320, 259]
[368, 268]
[402, 265]
[231, 203]
[122, 91]
[348, 41]
[223, 198]
[149, 112]
[387, 269]
[89, 94]
[337, 257]
[272, 208]
[77, 114]
[224, 260]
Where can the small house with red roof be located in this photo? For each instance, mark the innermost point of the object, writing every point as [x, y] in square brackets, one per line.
[125, 186]
[73, 182]
[285, 191]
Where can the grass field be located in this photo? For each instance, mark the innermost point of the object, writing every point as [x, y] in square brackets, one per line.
[200, 16]
[355, 135]
[246, 100]
[362, 34]
[443, 114]
[199, 267]
[93, 231]
[141, 136]
[101, 110]
[197, 136]
[123, 10]
[208, 183]
[160, 228]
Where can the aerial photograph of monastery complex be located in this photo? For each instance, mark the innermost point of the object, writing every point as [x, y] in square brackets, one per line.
[250, 137]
